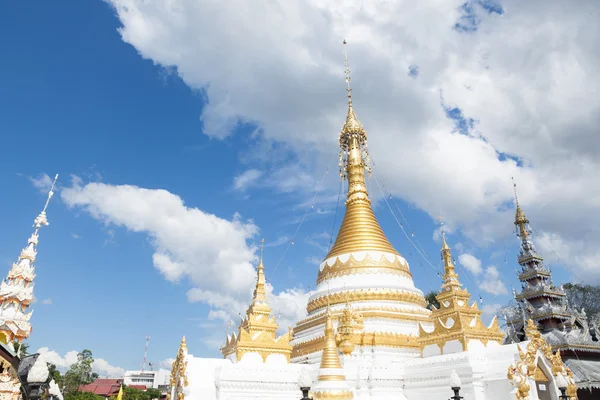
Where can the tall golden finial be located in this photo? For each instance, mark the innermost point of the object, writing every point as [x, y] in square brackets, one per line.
[450, 276]
[521, 220]
[347, 71]
[262, 248]
[352, 127]
[443, 233]
[353, 160]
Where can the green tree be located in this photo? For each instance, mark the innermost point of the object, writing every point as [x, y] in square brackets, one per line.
[80, 373]
[584, 297]
[55, 374]
[431, 300]
[83, 396]
[153, 394]
[135, 394]
[22, 347]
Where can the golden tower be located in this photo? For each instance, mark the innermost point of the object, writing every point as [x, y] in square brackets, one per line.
[456, 320]
[362, 269]
[331, 381]
[257, 332]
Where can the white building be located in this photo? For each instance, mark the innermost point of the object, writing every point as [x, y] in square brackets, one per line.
[151, 379]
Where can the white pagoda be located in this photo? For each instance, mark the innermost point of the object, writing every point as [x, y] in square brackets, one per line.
[368, 333]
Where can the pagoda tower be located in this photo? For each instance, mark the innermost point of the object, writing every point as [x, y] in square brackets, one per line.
[257, 332]
[362, 270]
[16, 291]
[456, 324]
[539, 299]
[331, 379]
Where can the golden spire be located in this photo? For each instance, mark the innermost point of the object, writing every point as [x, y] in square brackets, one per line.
[521, 220]
[450, 277]
[259, 297]
[360, 230]
[257, 332]
[329, 357]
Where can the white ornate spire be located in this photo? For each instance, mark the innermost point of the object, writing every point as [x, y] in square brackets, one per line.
[16, 291]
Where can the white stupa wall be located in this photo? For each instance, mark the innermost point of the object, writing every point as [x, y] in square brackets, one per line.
[251, 381]
[374, 280]
[379, 280]
[201, 374]
[371, 376]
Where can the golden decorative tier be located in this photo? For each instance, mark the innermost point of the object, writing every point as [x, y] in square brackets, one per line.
[367, 295]
[363, 339]
[360, 231]
[367, 265]
[341, 395]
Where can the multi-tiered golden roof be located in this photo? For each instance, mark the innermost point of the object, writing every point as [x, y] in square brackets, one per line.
[257, 332]
[456, 320]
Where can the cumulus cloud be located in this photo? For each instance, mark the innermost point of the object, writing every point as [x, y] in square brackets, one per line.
[471, 263]
[489, 311]
[210, 251]
[100, 366]
[42, 182]
[214, 254]
[456, 100]
[246, 179]
[491, 282]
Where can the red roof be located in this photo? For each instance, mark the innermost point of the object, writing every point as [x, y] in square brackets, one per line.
[138, 387]
[103, 387]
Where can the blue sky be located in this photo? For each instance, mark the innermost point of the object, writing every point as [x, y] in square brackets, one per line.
[80, 101]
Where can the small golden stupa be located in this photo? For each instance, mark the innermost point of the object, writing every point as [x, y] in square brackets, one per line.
[331, 382]
[257, 332]
[456, 320]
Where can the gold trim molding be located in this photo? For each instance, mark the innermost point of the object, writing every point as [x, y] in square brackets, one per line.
[361, 339]
[366, 295]
[342, 395]
[368, 265]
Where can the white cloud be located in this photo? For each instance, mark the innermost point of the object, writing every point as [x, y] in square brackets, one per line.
[489, 311]
[100, 366]
[526, 78]
[491, 282]
[246, 179]
[289, 306]
[167, 364]
[42, 181]
[213, 253]
[470, 262]
[47, 301]
[277, 242]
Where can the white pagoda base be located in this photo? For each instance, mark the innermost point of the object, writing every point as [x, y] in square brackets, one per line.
[482, 371]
